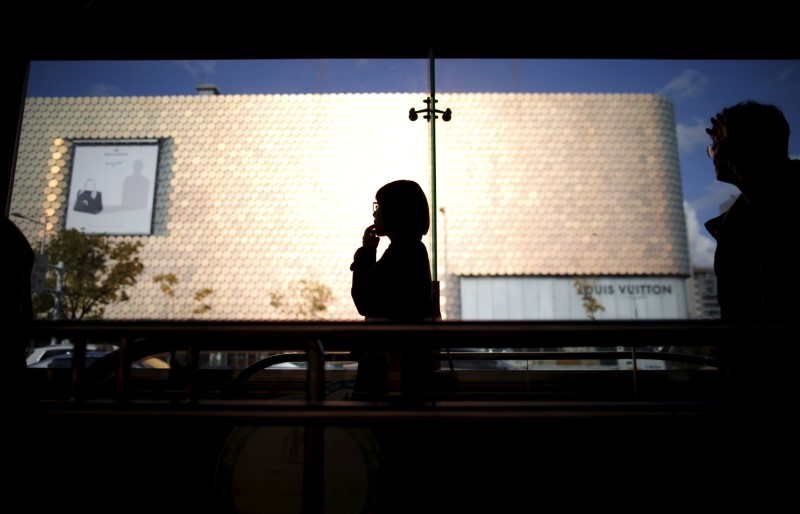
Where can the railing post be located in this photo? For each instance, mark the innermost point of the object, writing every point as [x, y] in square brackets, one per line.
[313, 470]
[315, 377]
[123, 371]
[78, 365]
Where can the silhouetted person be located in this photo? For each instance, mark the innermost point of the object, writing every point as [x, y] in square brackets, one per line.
[755, 261]
[396, 287]
[17, 308]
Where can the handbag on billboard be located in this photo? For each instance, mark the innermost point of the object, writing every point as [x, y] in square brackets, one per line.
[89, 200]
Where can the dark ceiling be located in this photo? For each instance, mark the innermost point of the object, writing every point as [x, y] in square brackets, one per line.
[239, 29]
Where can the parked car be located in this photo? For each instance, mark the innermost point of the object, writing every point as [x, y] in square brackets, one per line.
[488, 362]
[64, 360]
[45, 352]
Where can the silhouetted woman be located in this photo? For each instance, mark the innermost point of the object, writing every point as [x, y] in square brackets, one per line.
[755, 261]
[396, 287]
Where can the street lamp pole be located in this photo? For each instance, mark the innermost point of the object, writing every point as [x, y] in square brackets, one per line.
[430, 113]
[57, 292]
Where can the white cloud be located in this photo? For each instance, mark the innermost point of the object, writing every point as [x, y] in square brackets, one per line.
[689, 83]
[786, 73]
[690, 136]
[202, 70]
[715, 193]
[701, 246]
[103, 89]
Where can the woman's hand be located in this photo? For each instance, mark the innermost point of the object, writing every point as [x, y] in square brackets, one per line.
[718, 130]
[370, 238]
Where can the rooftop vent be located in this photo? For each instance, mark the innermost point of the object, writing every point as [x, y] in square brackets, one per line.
[207, 89]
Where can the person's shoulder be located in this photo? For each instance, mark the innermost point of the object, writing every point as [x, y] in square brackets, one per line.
[12, 232]
[713, 225]
[791, 178]
[420, 248]
[9, 226]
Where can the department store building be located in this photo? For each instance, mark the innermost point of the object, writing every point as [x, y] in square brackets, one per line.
[540, 199]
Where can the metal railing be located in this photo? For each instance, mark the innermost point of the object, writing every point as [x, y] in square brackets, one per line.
[553, 341]
[314, 342]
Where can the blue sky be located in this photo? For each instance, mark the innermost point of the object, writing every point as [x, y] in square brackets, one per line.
[698, 89]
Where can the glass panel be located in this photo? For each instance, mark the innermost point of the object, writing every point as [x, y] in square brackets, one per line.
[565, 189]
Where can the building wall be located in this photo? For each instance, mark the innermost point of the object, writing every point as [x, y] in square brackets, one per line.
[562, 298]
[704, 303]
[261, 196]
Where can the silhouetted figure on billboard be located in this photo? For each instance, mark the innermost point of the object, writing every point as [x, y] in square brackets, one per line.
[17, 308]
[135, 188]
[397, 287]
[755, 261]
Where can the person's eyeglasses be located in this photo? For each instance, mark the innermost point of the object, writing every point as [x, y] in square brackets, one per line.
[710, 151]
[375, 206]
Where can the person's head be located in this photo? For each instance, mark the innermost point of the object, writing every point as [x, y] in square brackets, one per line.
[749, 141]
[402, 210]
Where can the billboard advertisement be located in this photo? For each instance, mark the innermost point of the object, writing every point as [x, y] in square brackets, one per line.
[112, 187]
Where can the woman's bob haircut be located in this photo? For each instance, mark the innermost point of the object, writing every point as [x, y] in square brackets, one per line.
[404, 208]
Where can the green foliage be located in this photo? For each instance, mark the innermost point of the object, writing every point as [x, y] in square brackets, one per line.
[315, 298]
[583, 286]
[311, 302]
[199, 298]
[169, 281]
[276, 299]
[97, 273]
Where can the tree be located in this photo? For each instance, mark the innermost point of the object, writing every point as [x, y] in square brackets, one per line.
[168, 282]
[97, 273]
[583, 286]
[312, 301]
